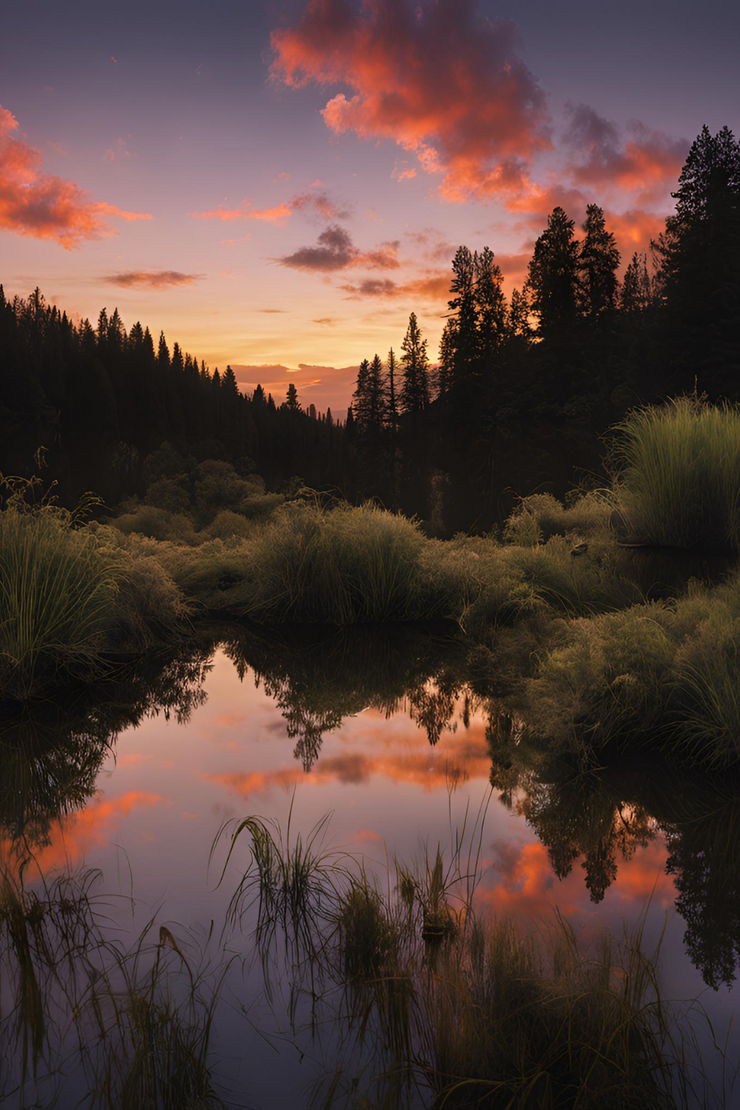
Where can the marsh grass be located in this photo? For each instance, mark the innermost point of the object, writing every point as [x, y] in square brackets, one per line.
[58, 590]
[677, 474]
[485, 1011]
[662, 675]
[291, 882]
[84, 1017]
[68, 595]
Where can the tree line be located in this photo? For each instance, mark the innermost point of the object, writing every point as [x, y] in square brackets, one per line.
[524, 386]
[101, 400]
[521, 390]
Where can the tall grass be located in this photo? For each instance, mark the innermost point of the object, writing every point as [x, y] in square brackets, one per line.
[677, 477]
[68, 594]
[86, 1021]
[481, 1011]
[58, 589]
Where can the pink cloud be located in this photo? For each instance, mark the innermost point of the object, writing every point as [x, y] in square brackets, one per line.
[648, 160]
[309, 203]
[335, 250]
[438, 79]
[46, 206]
[151, 279]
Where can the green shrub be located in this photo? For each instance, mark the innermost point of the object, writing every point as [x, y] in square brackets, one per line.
[157, 523]
[677, 480]
[541, 516]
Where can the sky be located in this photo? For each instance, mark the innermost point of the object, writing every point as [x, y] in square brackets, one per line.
[277, 185]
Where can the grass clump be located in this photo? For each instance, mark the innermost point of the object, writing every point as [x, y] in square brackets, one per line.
[58, 592]
[69, 595]
[663, 674]
[677, 479]
[539, 517]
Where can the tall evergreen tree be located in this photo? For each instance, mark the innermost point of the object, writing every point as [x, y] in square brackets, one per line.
[636, 292]
[392, 400]
[376, 396]
[598, 265]
[699, 272]
[415, 369]
[553, 278]
[291, 398]
[360, 397]
[491, 310]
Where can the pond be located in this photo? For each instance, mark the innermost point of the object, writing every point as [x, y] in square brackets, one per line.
[116, 815]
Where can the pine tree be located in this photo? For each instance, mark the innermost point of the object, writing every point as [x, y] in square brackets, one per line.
[376, 397]
[392, 402]
[415, 369]
[463, 318]
[519, 313]
[291, 398]
[360, 397]
[446, 360]
[598, 265]
[699, 268]
[163, 354]
[636, 293]
[491, 312]
[553, 280]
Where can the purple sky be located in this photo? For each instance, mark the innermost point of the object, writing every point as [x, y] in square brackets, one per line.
[279, 185]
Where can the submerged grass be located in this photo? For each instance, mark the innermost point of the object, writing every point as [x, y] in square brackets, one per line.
[85, 1021]
[481, 1011]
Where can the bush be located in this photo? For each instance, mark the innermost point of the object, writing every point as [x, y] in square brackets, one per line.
[541, 516]
[677, 480]
[656, 674]
[159, 524]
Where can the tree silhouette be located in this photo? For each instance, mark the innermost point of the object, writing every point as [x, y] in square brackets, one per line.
[415, 370]
[553, 278]
[598, 263]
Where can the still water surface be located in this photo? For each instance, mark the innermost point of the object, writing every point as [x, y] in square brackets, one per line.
[385, 741]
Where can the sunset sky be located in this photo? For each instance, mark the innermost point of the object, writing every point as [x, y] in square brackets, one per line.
[277, 185]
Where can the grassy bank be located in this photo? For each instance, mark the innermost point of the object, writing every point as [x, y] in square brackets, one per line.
[611, 646]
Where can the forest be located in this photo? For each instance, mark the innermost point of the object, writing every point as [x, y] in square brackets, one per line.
[522, 391]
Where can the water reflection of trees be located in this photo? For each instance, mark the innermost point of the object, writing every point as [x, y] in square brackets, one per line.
[318, 679]
[52, 752]
[602, 815]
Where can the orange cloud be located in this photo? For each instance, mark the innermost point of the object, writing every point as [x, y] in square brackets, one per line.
[45, 206]
[438, 79]
[304, 202]
[432, 769]
[71, 837]
[634, 229]
[649, 160]
[524, 883]
[433, 286]
[277, 215]
[151, 279]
